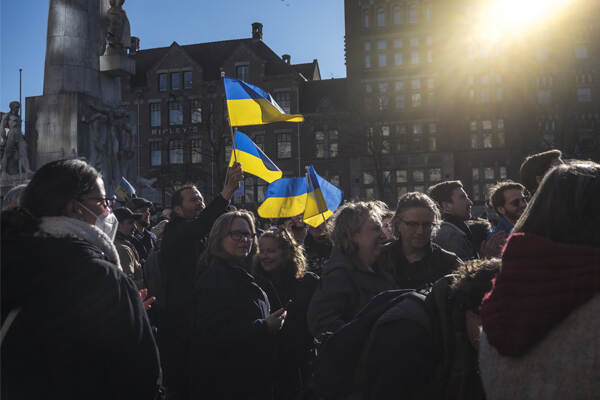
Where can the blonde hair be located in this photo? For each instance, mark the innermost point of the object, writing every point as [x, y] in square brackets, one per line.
[221, 229]
[349, 219]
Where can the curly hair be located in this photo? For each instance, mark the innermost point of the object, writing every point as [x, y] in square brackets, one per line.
[294, 260]
[349, 219]
[472, 280]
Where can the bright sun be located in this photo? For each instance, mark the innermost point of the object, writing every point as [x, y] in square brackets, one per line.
[502, 18]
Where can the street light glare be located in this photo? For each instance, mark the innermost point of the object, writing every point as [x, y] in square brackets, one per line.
[505, 18]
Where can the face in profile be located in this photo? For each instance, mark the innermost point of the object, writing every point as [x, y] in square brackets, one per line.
[270, 254]
[461, 204]
[238, 241]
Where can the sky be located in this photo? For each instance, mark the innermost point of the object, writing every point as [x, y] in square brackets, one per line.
[305, 29]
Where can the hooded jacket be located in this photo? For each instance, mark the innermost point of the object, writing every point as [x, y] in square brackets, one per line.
[81, 330]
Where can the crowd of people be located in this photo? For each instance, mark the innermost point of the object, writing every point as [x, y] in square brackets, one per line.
[422, 301]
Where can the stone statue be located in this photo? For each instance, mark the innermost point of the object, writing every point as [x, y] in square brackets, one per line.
[12, 143]
[118, 37]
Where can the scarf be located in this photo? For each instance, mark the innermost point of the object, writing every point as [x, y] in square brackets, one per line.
[61, 227]
[540, 284]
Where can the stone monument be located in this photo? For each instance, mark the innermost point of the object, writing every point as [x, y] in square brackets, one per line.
[13, 148]
[80, 112]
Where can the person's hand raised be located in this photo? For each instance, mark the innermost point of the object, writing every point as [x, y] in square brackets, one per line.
[234, 176]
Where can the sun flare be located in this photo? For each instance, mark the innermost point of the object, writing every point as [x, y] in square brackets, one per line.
[506, 18]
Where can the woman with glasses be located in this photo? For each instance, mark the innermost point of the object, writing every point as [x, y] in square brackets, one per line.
[72, 322]
[540, 321]
[350, 278]
[280, 269]
[233, 329]
[412, 259]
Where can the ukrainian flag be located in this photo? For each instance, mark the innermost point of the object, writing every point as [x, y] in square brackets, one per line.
[125, 190]
[252, 159]
[285, 197]
[322, 200]
[250, 105]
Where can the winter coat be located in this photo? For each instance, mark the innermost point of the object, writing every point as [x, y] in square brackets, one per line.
[346, 285]
[453, 239]
[410, 359]
[419, 274]
[144, 242]
[181, 246]
[130, 260]
[81, 332]
[231, 349]
[295, 346]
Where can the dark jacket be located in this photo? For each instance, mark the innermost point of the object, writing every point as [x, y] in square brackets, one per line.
[408, 360]
[294, 344]
[346, 285]
[144, 242]
[420, 274]
[231, 350]
[181, 246]
[317, 253]
[82, 332]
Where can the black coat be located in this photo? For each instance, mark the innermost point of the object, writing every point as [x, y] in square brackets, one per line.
[181, 246]
[294, 344]
[423, 273]
[231, 352]
[82, 332]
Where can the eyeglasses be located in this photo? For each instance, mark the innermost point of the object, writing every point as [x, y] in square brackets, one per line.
[238, 235]
[105, 201]
[414, 224]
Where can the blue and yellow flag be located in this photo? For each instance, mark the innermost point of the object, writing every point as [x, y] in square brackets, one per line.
[250, 105]
[322, 200]
[286, 197]
[125, 190]
[252, 159]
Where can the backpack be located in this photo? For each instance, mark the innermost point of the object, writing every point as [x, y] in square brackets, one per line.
[339, 368]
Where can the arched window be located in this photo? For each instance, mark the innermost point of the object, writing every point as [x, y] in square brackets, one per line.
[380, 17]
[397, 13]
[365, 18]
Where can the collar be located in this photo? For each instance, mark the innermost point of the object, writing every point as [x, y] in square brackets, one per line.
[458, 222]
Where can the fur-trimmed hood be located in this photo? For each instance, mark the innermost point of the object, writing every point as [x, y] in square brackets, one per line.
[60, 227]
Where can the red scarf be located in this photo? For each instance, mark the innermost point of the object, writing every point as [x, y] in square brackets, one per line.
[540, 284]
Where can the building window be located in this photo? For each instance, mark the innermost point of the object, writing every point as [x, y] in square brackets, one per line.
[429, 56]
[432, 143]
[544, 96]
[284, 99]
[367, 61]
[368, 178]
[397, 15]
[400, 101]
[475, 174]
[414, 42]
[414, 57]
[381, 45]
[500, 139]
[581, 51]
[367, 46]
[382, 60]
[398, 58]
[320, 145]
[418, 175]
[380, 17]
[397, 43]
[487, 140]
[365, 18]
[399, 85]
[333, 143]
[488, 173]
[503, 173]
[284, 145]
[155, 154]
[196, 151]
[176, 151]
[416, 100]
[187, 80]
[474, 141]
[435, 174]
[415, 84]
[383, 87]
[584, 95]
[155, 114]
[412, 14]
[241, 72]
[162, 82]
[196, 112]
[401, 176]
[175, 81]
[175, 113]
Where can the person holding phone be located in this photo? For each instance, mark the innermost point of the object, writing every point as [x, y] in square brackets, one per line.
[280, 269]
[232, 337]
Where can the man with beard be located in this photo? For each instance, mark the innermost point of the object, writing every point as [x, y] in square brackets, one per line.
[317, 247]
[508, 200]
[182, 243]
[143, 240]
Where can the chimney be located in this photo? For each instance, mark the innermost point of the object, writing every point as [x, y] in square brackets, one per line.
[257, 31]
[286, 58]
